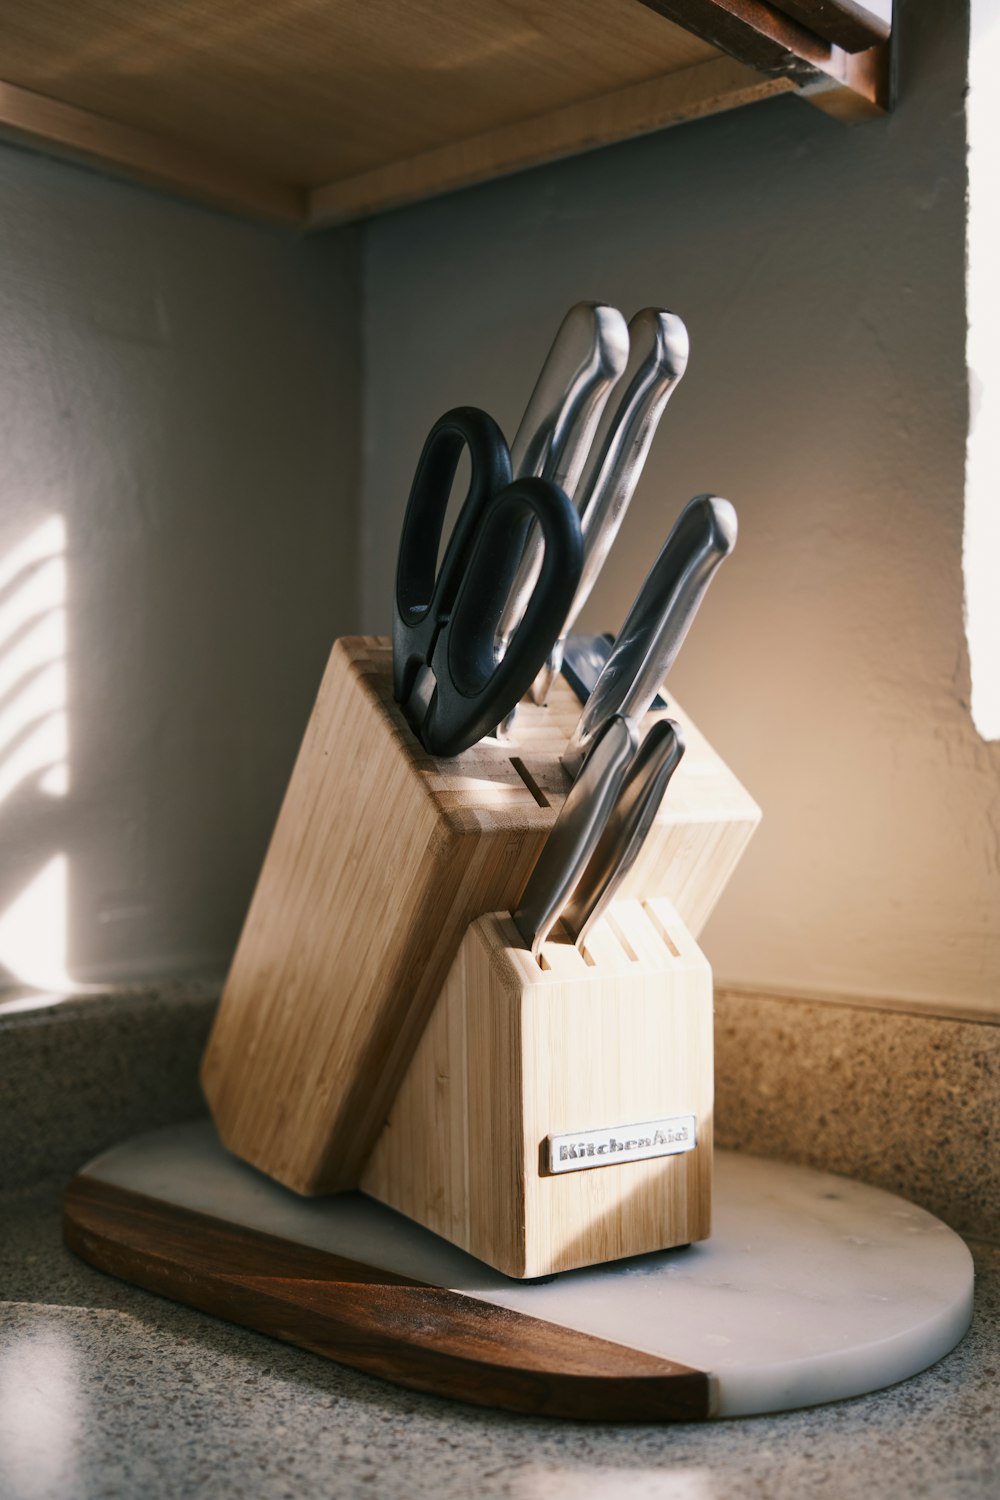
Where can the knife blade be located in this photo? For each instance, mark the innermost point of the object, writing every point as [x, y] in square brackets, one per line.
[658, 350]
[632, 816]
[659, 620]
[576, 831]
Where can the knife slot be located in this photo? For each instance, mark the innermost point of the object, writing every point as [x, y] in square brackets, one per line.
[661, 928]
[616, 928]
[529, 781]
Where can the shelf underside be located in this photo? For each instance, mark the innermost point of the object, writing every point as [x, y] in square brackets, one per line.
[314, 111]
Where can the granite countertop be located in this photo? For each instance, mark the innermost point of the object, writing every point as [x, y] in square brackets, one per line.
[106, 1391]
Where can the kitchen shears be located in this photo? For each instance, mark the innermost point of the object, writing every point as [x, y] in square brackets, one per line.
[448, 676]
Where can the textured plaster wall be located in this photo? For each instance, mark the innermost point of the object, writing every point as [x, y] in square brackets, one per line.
[820, 270]
[185, 391]
[181, 389]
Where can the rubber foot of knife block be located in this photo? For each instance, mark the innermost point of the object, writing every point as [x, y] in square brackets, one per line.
[558, 1111]
[381, 857]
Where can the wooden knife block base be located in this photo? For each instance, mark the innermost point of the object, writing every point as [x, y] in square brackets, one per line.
[381, 858]
[609, 1051]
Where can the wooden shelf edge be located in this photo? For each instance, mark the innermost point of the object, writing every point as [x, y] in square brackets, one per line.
[34, 119]
[850, 85]
[858, 86]
[688, 94]
[849, 25]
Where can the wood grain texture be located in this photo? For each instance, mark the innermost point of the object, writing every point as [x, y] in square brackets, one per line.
[704, 88]
[518, 1049]
[27, 117]
[265, 107]
[315, 90]
[380, 859]
[425, 1337]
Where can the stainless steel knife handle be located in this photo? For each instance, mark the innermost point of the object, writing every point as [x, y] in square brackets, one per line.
[658, 621]
[588, 356]
[574, 835]
[625, 832]
[658, 354]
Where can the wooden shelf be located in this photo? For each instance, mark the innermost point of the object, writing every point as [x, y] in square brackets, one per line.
[321, 111]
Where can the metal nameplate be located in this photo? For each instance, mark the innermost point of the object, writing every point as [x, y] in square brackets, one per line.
[619, 1143]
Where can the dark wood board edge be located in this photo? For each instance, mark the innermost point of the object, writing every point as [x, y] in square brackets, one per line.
[775, 44]
[753, 32]
[428, 1338]
[842, 22]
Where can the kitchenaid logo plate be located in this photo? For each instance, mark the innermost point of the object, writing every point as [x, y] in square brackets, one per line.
[607, 1148]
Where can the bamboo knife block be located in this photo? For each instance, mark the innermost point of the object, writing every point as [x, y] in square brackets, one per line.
[381, 858]
[527, 1122]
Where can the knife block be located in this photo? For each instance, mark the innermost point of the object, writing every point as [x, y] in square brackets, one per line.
[381, 858]
[535, 1081]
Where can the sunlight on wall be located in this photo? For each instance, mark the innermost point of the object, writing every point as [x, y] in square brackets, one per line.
[34, 748]
[33, 738]
[33, 930]
[981, 549]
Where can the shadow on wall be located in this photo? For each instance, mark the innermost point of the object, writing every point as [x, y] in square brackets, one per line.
[178, 462]
[34, 756]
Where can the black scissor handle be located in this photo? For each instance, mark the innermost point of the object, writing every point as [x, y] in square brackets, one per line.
[426, 594]
[475, 692]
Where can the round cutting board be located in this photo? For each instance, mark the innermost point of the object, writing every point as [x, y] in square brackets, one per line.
[812, 1287]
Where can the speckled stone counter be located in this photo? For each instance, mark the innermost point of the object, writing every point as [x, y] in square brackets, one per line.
[108, 1392]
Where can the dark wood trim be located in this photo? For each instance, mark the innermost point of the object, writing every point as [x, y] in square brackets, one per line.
[778, 46]
[426, 1337]
[753, 32]
[842, 22]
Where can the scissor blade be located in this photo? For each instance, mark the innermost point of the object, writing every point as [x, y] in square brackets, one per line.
[575, 833]
[625, 832]
[658, 621]
[658, 354]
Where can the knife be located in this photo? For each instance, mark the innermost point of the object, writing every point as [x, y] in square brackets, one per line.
[584, 658]
[660, 341]
[576, 831]
[587, 356]
[586, 359]
[658, 621]
[632, 816]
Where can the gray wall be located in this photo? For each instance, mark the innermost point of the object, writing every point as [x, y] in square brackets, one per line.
[182, 388]
[185, 391]
[820, 271]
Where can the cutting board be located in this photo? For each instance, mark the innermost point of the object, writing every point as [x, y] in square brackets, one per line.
[812, 1288]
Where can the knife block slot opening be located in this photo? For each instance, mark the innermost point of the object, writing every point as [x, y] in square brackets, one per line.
[661, 928]
[616, 928]
[529, 781]
[563, 958]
